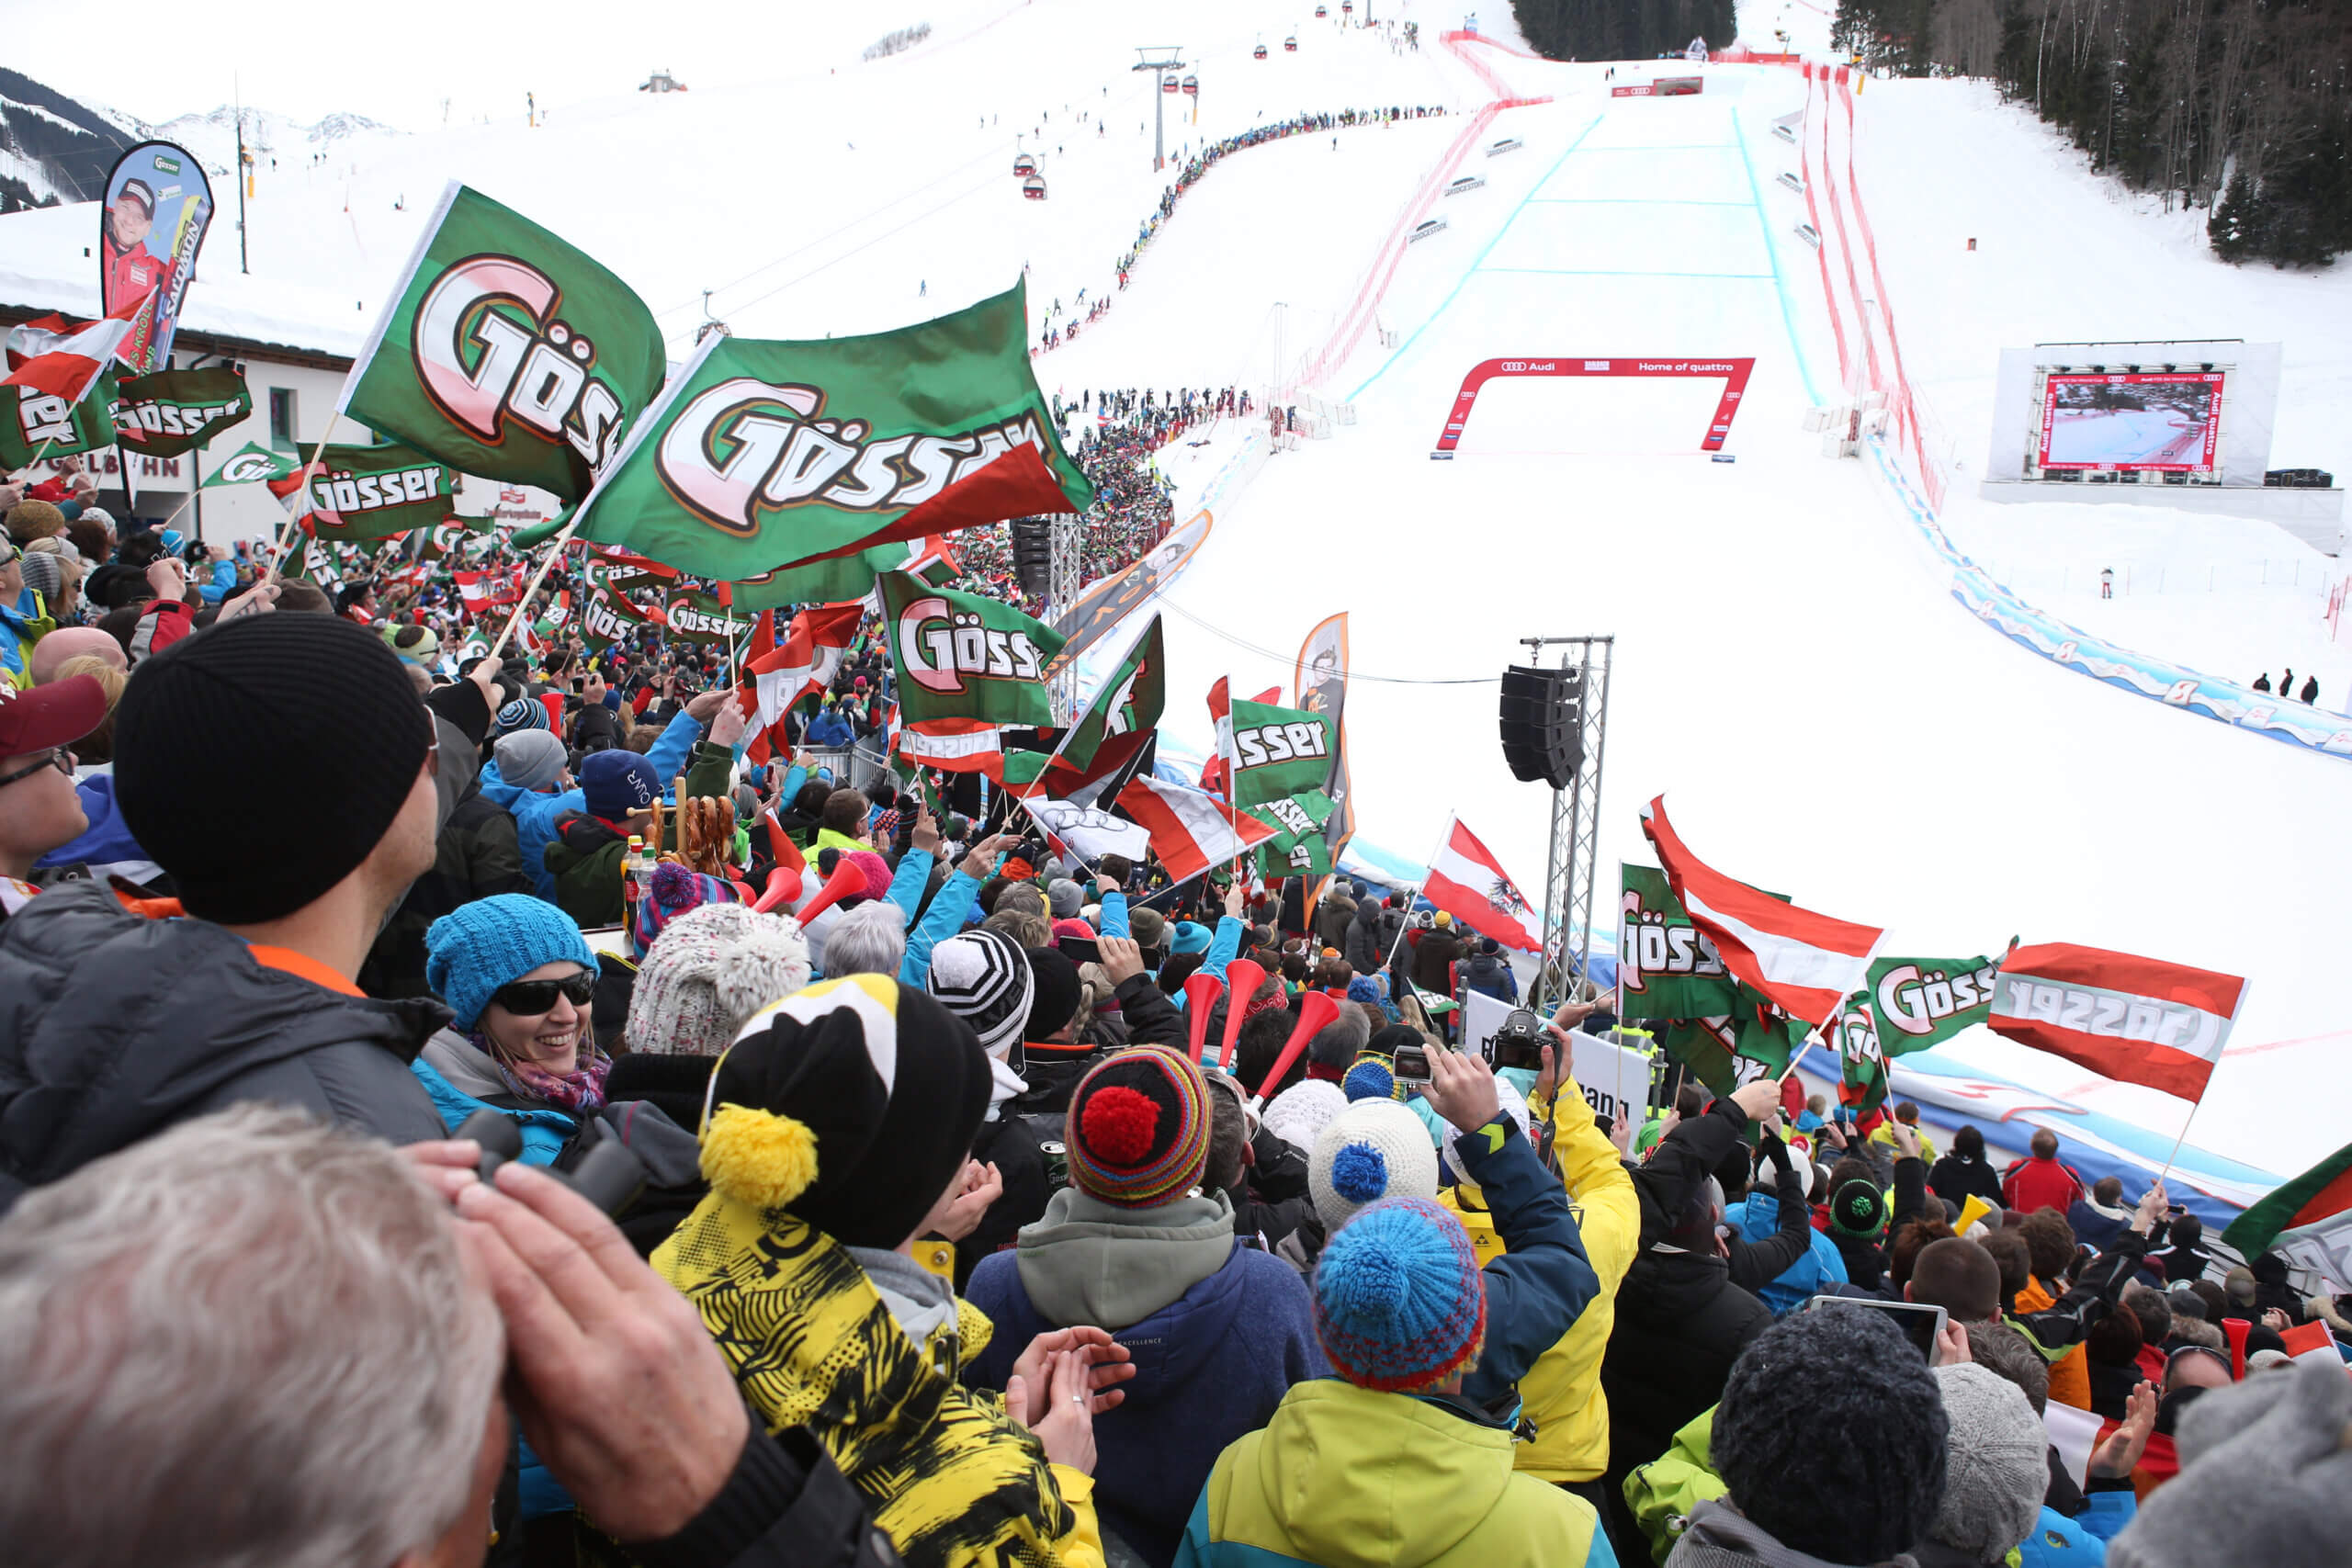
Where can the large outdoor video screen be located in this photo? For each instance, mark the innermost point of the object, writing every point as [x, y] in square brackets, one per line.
[2166, 420]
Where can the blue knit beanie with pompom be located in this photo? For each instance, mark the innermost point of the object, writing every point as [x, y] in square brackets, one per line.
[1400, 1306]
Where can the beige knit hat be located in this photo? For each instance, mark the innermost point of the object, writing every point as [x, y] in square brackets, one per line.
[711, 968]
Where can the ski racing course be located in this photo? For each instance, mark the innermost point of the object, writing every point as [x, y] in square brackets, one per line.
[1790, 661]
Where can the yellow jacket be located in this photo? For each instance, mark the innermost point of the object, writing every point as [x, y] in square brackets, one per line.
[952, 1478]
[1561, 1393]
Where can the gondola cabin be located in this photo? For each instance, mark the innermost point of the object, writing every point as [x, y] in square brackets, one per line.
[1034, 188]
[1168, 84]
[1290, 46]
[1258, 53]
[1193, 86]
[1321, 12]
[1024, 165]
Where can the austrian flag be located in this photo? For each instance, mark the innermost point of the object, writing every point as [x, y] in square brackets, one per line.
[1807, 964]
[1190, 831]
[807, 663]
[2136, 1020]
[1467, 882]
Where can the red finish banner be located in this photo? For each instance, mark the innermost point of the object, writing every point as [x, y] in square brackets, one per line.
[1735, 373]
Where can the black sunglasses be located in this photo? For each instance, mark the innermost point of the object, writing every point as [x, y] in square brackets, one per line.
[532, 999]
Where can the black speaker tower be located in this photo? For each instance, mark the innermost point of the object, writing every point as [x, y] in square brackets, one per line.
[1542, 723]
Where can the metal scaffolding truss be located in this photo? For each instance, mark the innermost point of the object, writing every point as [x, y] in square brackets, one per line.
[1571, 869]
[1067, 536]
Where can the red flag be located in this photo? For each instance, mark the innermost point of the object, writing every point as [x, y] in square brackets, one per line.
[1467, 882]
[2135, 1019]
[1218, 775]
[1807, 965]
[473, 590]
[1189, 832]
[953, 745]
[65, 363]
[811, 653]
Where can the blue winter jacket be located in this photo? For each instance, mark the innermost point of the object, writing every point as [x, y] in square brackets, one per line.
[2058, 1542]
[1819, 1272]
[1536, 1290]
[536, 813]
[1209, 1367]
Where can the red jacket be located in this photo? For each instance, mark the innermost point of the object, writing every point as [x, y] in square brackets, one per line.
[2035, 1183]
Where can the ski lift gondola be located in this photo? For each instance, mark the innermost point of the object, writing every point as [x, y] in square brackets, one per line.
[1347, 7]
[1192, 85]
[1024, 165]
[1167, 83]
[1258, 53]
[1034, 188]
[1321, 12]
[1290, 45]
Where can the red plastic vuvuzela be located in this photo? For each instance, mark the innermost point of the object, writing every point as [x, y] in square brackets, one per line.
[1201, 992]
[1242, 978]
[1316, 1011]
[846, 879]
[783, 886]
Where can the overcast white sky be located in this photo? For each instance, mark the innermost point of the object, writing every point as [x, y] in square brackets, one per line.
[396, 62]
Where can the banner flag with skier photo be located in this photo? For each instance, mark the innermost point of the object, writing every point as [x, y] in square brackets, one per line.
[171, 411]
[1320, 682]
[963, 656]
[761, 456]
[373, 492]
[506, 351]
[158, 205]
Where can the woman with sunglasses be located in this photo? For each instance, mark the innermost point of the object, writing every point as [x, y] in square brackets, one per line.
[520, 977]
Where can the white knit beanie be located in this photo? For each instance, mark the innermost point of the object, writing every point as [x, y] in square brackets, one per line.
[711, 968]
[1300, 1113]
[1374, 1149]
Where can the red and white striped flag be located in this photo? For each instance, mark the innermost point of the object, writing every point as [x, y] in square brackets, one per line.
[810, 655]
[54, 356]
[1807, 963]
[954, 745]
[2135, 1019]
[1467, 882]
[1189, 832]
[473, 590]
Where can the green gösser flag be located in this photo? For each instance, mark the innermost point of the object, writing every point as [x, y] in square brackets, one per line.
[373, 492]
[507, 353]
[1753, 1041]
[697, 617]
[960, 656]
[1665, 965]
[1921, 1002]
[761, 456]
[1297, 848]
[1275, 752]
[251, 464]
[35, 426]
[171, 411]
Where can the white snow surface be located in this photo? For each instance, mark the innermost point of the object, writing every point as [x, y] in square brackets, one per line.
[1824, 719]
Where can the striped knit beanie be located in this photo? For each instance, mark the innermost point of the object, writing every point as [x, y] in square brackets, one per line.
[1399, 1304]
[1371, 1077]
[984, 979]
[1858, 1209]
[1137, 1133]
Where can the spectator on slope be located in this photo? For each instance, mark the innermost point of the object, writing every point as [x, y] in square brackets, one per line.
[253, 996]
[1387, 1463]
[618, 790]
[846, 1116]
[2099, 1216]
[2040, 1180]
[1995, 1472]
[2186, 1260]
[1221, 1331]
[1965, 1170]
[1860, 1216]
[24, 611]
[1488, 973]
[40, 810]
[1870, 1408]
[1334, 916]
[1906, 1115]
[594, 725]
[369, 1424]
[1822, 1269]
[1681, 1319]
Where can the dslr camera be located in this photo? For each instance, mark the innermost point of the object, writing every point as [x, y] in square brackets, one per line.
[1518, 1043]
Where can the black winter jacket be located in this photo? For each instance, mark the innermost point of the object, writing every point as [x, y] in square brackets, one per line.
[1363, 949]
[114, 1027]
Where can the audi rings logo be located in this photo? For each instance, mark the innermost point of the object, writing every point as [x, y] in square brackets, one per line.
[1511, 366]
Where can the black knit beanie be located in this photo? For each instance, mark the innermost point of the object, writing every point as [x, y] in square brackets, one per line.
[1056, 993]
[1832, 1435]
[259, 763]
[882, 1088]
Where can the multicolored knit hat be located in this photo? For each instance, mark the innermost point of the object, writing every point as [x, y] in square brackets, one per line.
[1371, 1078]
[674, 890]
[1137, 1132]
[1400, 1306]
[1857, 1208]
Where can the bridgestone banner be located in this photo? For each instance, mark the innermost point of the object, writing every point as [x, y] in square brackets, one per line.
[961, 656]
[157, 208]
[174, 412]
[1276, 751]
[373, 492]
[507, 353]
[761, 456]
